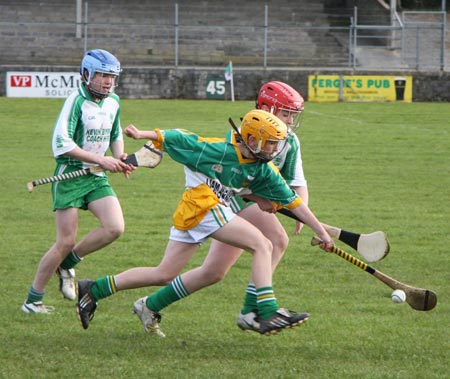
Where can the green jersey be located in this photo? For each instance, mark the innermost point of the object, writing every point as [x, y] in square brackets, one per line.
[221, 166]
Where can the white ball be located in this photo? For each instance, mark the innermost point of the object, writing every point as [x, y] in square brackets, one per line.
[398, 296]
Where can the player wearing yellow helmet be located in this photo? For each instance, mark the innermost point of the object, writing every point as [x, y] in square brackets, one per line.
[216, 171]
[287, 104]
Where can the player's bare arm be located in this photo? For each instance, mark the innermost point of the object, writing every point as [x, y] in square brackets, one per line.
[305, 214]
[135, 133]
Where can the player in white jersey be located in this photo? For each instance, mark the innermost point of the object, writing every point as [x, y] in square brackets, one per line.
[88, 124]
[286, 103]
[216, 171]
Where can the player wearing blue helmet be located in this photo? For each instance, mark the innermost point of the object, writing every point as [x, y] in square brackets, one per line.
[87, 126]
[100, 72]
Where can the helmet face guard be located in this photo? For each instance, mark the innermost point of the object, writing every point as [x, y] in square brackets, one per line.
[263, 154]
[263, 134]
[292, 118]
[103, 70]
[283, 101]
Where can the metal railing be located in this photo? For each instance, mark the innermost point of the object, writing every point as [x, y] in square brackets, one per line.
[414, 40]
[411, 40]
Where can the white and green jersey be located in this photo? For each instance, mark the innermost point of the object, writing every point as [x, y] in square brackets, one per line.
[288, 161]
[90, 125]
[221, 166]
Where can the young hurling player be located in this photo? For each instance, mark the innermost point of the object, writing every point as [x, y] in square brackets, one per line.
[87, 126]
[287, 104]
[215, 170]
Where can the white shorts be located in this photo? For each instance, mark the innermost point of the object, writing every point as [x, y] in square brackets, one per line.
[213, 221]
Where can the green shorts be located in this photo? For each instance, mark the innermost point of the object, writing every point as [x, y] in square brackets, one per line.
[79, 192]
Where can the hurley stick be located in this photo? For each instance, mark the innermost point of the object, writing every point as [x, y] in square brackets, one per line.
[146, 156]
[418, 298]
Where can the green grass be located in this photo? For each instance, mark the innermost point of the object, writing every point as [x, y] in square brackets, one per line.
[369, 167]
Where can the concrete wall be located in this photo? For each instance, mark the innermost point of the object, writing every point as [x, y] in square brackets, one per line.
[190, 83]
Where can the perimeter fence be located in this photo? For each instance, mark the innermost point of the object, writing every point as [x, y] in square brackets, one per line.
[191, 33]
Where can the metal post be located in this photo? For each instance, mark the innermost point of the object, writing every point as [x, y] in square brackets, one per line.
[350, 43]
[403, 57]
[86, 6]
[393, 33]
[79, 18]
[443, 32]
[266, 25]
[176, 34]
[355, 36]
[417, 48]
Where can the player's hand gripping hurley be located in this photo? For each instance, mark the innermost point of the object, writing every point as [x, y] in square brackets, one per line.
[418, 298]
[146, 156]
[372, 247]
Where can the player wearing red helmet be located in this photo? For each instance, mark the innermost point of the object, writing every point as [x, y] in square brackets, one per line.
[282, 100]
[287, 104]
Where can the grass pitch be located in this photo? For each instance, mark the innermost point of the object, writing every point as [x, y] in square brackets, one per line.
[369, 167]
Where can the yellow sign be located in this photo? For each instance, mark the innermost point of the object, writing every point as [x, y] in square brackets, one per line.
[333, 88]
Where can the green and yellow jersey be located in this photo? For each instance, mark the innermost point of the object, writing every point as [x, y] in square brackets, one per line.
[220, 166]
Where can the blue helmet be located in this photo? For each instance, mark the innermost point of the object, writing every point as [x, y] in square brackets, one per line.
[99, 61]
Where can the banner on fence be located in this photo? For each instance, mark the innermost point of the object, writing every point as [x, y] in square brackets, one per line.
[333, 88]
[41, 84]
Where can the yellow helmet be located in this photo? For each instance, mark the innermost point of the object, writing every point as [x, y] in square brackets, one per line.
[263, 126]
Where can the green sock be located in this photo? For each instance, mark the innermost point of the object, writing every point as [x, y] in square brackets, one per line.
[104, 287]
[250, 299]
[167, 295]
[70, 261]
[34, 296]
[267, 303]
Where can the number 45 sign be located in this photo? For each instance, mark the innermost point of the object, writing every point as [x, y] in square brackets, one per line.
[215, 88]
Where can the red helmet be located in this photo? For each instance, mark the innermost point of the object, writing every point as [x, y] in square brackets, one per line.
[279, 96]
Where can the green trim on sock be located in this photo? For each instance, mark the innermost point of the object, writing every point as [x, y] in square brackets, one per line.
[167, 295]
[250, 303]
[104, 287]
[70, 261]
[267, 302]
[34, 296]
